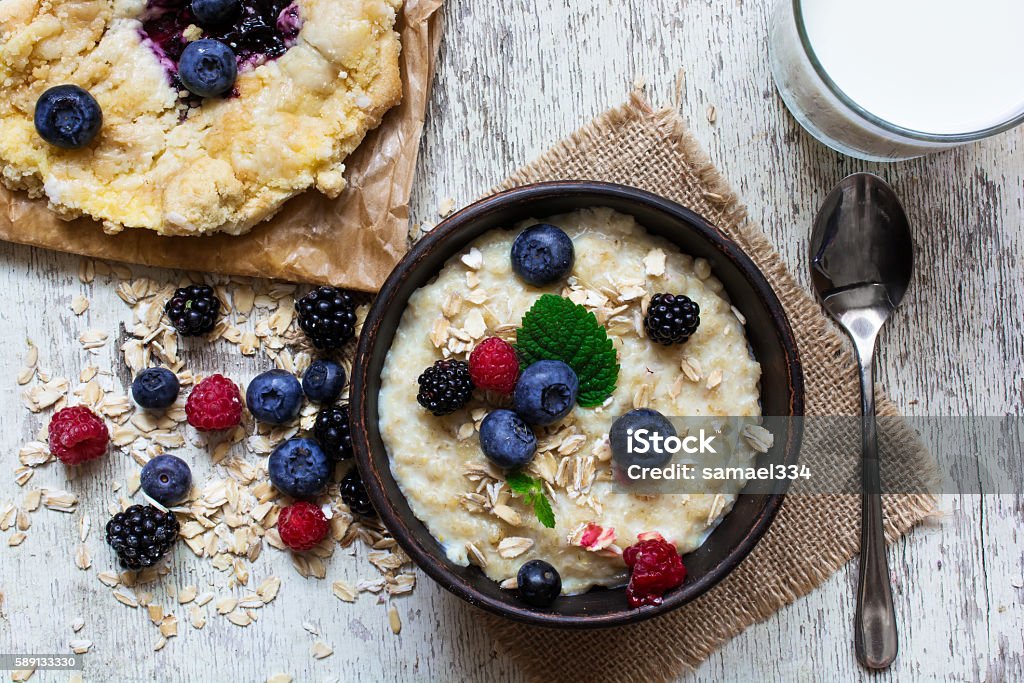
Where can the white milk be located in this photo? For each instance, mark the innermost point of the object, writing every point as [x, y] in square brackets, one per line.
[933, 66]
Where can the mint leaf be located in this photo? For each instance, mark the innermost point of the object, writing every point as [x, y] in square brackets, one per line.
[557, 329]
[542, 508]
[532, 491]
[521, 483]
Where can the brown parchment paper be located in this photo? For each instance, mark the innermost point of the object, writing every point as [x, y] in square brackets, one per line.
[353, 241]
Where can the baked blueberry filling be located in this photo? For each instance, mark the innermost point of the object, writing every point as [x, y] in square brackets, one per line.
[260, 31]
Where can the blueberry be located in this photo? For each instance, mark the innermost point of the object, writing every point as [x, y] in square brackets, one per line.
[299, 468]
[546, 392]
[323, 381]
[643, 418]
[539, 583]
[155, 388]
[506, 440]
[166, 479]
[274, 397]
[216, 13]
[68, 117]
[207, 68]
[542, 254]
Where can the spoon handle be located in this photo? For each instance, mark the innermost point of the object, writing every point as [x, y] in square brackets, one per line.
[875, 636]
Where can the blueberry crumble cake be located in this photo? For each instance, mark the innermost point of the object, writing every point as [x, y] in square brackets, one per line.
[189, 117]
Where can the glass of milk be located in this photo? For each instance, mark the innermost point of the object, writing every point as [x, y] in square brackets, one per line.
[894, 79]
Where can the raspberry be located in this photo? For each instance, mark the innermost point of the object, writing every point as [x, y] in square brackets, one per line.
[77, 435]
[656, 567]
[494, 365]
[215, 403]
[302, 525]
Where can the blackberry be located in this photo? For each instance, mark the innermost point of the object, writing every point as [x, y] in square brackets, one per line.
[445, 386]
[671, 318]
[141, 535]
[354, 494]
[193, 310]
[332, 432]
[328, 317]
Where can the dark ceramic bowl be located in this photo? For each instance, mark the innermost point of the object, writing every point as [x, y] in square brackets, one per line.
[770, 338]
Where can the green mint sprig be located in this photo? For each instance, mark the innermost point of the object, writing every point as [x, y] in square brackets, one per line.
[532, 491]
[557, 329]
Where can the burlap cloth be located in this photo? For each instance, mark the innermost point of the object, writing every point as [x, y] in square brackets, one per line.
[812, 536]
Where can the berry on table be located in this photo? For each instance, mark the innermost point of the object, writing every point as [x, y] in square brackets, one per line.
[68, 117]
[657, 568]
[323, 381]
[214, 404]
[141, 535]
[546, 392]
[494, 366]
[445, 387]
[542, 254]
[207, 68]
[274, 397]
[302, 525]
[328, 317]
[166, 479]
[507, 440]
[156, 388]
[215, 13]
[299, 468]
[77, 435]
[539, 583]
[353, 492]
[193, 310]
[333, 433]
[628, 425]
[671, 318]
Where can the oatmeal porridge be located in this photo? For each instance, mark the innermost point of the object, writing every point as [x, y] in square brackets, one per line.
[466, 500]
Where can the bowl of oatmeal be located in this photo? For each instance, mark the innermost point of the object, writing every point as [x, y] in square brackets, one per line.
[503, 362]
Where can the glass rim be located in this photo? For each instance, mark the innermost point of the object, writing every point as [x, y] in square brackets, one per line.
[888, 126]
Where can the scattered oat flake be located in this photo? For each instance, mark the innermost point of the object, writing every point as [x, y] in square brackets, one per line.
[187, 595]
[320, 650]
[21, 675]
[654, 262]
[79, 304]
[344, 591]
[125, 597]
[82, 559]
[759, 438]
[80, 646]
[714, 379]
[395, 620]
[78, 624]
[239, 618]
[279, 678]
[514, 546]
[269, 588]
[159, 645]
[712, 114]
[445, 206]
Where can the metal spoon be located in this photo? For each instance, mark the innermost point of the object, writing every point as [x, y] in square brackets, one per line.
[861, 261]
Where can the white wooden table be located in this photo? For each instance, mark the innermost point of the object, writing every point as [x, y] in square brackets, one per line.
[513, 78]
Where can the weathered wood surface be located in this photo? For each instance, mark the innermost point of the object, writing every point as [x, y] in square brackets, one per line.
[513, 78]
